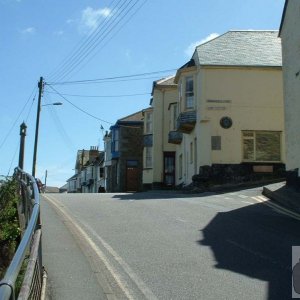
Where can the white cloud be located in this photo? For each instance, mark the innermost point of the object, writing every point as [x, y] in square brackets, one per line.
[91, 18]
[29, 30]
[58, 33]
[70, 21]
[191, 48]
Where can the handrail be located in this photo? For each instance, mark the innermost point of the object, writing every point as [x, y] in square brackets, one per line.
[7, 284]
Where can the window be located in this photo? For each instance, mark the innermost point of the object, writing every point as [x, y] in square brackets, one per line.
[180, 166]
[148, 157]
[173, 116]
[101, 172]
[262, 146]
[148, 122]
[180, 90]
[115, 141]
[189, 92]
[191, 152]
[215, 143]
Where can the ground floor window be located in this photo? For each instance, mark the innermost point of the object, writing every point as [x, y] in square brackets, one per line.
[180, 166]
[148, 157]
[262, 146]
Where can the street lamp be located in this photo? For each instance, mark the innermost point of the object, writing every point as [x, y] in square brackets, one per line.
[41, 87]
[55, 103]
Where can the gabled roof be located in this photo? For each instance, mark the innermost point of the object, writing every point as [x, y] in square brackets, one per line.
[163, 82]
[241, 48]
[166, 81]
[283, 16]
[138, 116]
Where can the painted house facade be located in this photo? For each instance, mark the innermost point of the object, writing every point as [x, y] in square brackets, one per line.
[290, 37]
[160, 137]
[89, 172]
[124, 155]
[230, 108]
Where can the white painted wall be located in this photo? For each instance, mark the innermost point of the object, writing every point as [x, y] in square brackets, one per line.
[290, 36]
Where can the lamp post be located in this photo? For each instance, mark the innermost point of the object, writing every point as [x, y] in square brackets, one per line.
[41, 88]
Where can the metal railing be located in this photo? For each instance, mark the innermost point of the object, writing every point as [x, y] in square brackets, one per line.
[29, 252]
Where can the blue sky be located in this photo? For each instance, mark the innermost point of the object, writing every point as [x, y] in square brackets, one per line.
[39, 37]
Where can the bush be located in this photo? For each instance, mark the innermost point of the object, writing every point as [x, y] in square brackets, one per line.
[9, 224]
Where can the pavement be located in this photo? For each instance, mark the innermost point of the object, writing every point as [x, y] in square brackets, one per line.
[283, 195]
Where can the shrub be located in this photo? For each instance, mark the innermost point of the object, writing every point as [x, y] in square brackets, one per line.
[9, 224]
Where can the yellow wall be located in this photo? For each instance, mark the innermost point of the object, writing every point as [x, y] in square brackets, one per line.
[255, 103]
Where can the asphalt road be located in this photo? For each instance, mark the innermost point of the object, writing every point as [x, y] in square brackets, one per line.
[161, 245]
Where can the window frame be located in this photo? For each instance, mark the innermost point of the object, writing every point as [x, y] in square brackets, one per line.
[189, 94]
[148, 122]
[254, 138]
[148, 159]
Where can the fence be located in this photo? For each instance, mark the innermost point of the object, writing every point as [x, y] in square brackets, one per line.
[29, 253]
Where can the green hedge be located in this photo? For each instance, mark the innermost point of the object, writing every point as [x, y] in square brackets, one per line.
[9, 224]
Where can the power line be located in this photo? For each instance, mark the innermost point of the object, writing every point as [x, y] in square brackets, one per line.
[83, 54]
[115, 33]
[13, 159]
[101, 96]
[110, 79]
[77, 107]
[81, 57]
[16, 120]
[83, 42]
[59, 126]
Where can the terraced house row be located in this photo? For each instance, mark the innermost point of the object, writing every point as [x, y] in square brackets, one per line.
[220, 117]
[224, 117]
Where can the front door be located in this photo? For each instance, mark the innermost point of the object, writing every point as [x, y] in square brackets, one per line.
[132, 176]
[169, 169]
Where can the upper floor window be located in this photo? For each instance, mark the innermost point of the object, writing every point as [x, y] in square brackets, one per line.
[173, 116]
[148, 122]
[115, 140]
[189, 92]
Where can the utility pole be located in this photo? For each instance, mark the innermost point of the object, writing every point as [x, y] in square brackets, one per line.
[46, 174]
[22, 145]
[41, 87]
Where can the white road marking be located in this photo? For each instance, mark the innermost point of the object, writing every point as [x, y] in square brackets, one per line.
[243, 196]
[121, 282]
[277, 207]
[248, 202]
[137, 280]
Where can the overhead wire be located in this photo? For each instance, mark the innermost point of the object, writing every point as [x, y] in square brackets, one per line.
[17, 118]
[102, 96]
[113, 78]
[13, 159]
[106, 30]
[78, 108]
[114, 34]
[84, 41]
[91, 46]
[59, 126]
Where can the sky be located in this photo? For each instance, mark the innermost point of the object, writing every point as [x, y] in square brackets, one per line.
[124, 44]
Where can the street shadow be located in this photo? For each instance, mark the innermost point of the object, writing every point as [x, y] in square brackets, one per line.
[158, 195]
[257, 242]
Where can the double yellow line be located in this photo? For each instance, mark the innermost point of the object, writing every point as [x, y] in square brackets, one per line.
[277, 207]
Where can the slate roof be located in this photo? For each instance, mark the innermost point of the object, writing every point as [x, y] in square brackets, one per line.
[138, 116]
[241, 48]
[166, 81]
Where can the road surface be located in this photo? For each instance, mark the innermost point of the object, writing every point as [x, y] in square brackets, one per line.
[163, 245]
